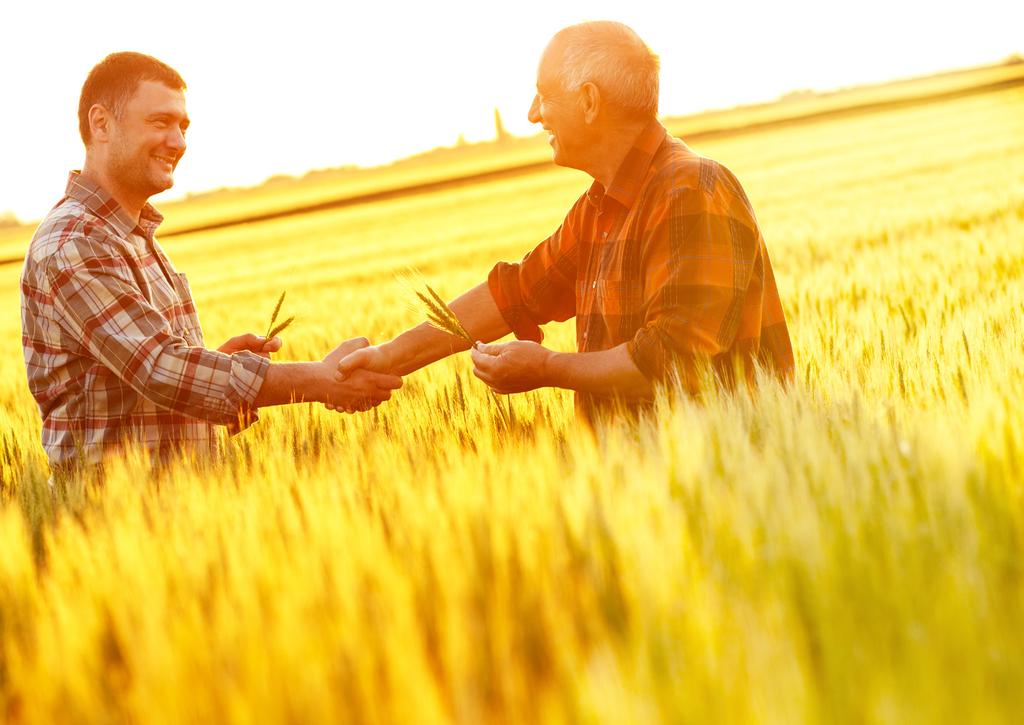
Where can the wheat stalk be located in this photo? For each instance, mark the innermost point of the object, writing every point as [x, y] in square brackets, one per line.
[441, 316]
[272, 331]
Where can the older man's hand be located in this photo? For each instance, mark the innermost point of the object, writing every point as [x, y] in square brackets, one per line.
[361, 389]
[371, 357]
[512, 367]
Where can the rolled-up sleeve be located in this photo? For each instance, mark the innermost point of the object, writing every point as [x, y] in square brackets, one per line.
[97, 302]
[542, 287]
[697, 262]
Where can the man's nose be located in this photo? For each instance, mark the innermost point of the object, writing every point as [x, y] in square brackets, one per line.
[534, 114]
[176, 139]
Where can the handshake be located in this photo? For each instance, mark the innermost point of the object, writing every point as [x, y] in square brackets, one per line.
[357, 376]
[373, 370]
[357, 384]
[324, 382]
[365, 375]
[316, 381]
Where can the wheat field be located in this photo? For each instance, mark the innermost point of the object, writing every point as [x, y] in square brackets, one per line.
[848, 550]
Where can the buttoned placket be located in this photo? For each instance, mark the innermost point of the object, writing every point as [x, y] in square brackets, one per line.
[606, 221]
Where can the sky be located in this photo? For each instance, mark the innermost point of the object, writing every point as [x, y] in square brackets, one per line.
[286, 87]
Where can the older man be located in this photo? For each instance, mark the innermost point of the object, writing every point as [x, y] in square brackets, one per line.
[113, 346]
[661, 261]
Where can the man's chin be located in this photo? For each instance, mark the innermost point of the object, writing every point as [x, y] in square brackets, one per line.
[161, 183]
[559, 159]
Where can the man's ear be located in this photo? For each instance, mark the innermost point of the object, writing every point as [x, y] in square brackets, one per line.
[590, 100]
[99, 123]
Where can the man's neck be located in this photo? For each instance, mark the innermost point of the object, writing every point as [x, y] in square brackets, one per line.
[611, 150]
[131, 203]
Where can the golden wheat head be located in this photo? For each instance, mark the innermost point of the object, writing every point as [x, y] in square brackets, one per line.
[441, 316]
[271, 329]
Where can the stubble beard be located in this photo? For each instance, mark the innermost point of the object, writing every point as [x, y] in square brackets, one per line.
[130, 168]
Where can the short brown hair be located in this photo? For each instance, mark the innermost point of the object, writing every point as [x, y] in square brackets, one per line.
[113, 82]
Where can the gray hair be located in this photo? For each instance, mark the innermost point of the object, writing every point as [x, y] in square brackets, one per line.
[614, 58]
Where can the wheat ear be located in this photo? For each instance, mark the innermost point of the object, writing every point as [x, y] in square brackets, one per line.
[440, 315]
[280, 328]
[271, 330]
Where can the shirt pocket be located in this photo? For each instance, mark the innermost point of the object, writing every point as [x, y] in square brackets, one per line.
[185, 319]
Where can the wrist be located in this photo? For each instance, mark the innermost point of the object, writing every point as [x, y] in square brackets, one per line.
[552, 369]
[388, 356]
[401, 357]
[290, 383]
[323, 377]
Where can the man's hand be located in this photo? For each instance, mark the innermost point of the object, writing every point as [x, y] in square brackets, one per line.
[345, 350]
[361, 389]
[371, 357]
[254, 343]
[367, 358]
[512, 367]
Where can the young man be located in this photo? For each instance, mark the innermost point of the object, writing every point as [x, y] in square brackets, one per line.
[113, 346]
[661, 261]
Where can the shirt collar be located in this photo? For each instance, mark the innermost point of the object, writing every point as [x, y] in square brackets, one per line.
[629, 178]
[96, 199]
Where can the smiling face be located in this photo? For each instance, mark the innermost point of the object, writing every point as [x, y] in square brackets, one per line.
[560, 113]
[147, 139]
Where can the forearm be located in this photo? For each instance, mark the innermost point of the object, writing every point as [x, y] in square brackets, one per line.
[320, 382]
[292, 382]
[608, 372]
[425, 344]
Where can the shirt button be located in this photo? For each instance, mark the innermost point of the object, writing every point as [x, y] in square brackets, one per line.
[593, 285]
[604, 235]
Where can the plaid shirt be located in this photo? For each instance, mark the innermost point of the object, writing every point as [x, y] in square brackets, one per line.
[668, 259]
[113, 346]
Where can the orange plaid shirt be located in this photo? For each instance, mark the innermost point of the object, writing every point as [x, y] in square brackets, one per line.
[668, 259]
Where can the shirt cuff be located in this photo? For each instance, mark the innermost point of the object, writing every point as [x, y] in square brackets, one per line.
[248, 371]
[652, 352]
[503, 282]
